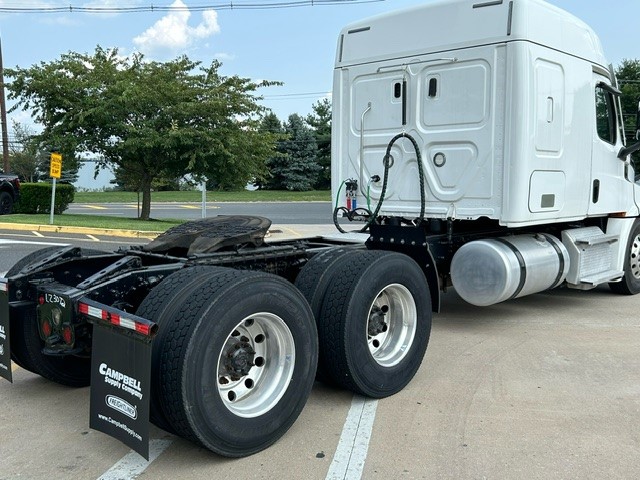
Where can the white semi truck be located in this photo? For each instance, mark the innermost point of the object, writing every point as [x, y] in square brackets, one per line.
[480, 145]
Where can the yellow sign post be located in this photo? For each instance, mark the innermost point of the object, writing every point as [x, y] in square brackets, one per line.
[55, 171]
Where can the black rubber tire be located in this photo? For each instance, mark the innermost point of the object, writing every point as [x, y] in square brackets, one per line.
[6, 203]
[315, 277]
[314, 280]
[163, 303]
[193, 344]
[344, 320]
[630, 284]
[26, 345]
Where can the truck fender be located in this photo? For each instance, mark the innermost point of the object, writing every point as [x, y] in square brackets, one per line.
[622, 228]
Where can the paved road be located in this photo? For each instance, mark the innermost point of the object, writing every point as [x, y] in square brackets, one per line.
[546, 386]
[286, 213]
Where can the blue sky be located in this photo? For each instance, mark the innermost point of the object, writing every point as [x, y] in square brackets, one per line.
[292, 45]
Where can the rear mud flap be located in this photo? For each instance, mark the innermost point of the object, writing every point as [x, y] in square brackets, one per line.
[5, 344]
[120, 385]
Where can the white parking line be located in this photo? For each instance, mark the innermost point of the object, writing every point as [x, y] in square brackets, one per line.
[348, 461]
[132, 464]
[4, 241]
[91, 237]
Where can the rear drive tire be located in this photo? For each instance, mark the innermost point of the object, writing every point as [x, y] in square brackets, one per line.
[375, 323]
[238, 366]
[26, 344]
[314, 280]
[630, 283]
[162, 306]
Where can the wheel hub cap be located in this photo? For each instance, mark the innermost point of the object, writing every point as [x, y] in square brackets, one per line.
[239, 360]
[392, 325]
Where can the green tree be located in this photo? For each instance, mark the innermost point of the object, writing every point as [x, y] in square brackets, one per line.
[30, 154]
[320, 122]
[24, 152]
[146, 119]
[628, 74]
[300, 169]
[277, 161]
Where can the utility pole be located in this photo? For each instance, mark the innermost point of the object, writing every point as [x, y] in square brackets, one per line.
[3, 114]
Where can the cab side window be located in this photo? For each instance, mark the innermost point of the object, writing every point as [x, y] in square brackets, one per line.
[605, 115]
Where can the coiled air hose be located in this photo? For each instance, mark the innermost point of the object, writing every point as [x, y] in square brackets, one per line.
[388, 163]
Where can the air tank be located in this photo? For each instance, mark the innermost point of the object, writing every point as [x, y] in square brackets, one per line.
[486, 272]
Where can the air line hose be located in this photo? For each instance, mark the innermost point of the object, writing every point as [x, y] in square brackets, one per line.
[388, 163]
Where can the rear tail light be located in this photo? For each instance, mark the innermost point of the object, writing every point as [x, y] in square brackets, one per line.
[67, 335]
[46, 328]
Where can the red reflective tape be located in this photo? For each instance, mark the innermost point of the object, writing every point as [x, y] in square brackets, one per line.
[142, 328]
[114, 319]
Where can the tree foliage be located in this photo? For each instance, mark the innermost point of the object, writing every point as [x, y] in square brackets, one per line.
[24, 154]
[30, 157]
[148, 119]
[294, 166]
[320, 122]
[272, 125]
[628, 74]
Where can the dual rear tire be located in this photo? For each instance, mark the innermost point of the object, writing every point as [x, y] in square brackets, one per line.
[373, 314]
[235, 360]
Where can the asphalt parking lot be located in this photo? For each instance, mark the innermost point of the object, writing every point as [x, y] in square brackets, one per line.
[547, 386]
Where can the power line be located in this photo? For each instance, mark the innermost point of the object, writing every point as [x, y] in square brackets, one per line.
[231, 5]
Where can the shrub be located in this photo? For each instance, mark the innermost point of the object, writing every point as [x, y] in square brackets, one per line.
[36, 198]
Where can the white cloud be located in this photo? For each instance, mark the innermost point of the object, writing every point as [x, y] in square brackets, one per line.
[224, 56]
[173, 32]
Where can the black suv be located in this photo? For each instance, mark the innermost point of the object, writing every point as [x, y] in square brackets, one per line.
[9, 192]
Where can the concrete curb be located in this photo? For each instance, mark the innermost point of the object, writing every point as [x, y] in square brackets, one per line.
[80, 230]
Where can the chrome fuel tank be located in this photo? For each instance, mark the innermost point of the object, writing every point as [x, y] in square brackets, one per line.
[485, 272]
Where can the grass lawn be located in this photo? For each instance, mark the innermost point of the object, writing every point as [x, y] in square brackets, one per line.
[93, 221]
[215, 196]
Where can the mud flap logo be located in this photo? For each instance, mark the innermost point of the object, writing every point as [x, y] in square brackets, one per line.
[122, 406]
[120, 379]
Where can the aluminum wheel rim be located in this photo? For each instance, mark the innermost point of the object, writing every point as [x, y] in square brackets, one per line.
[254, 392]
[390, 336]
[634, 257]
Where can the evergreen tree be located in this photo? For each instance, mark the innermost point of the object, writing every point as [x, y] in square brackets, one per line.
[300, 169]
[269, 181]
[320, 122]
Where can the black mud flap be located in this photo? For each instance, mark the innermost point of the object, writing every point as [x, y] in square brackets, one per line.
[120, 375]
[5, 349]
